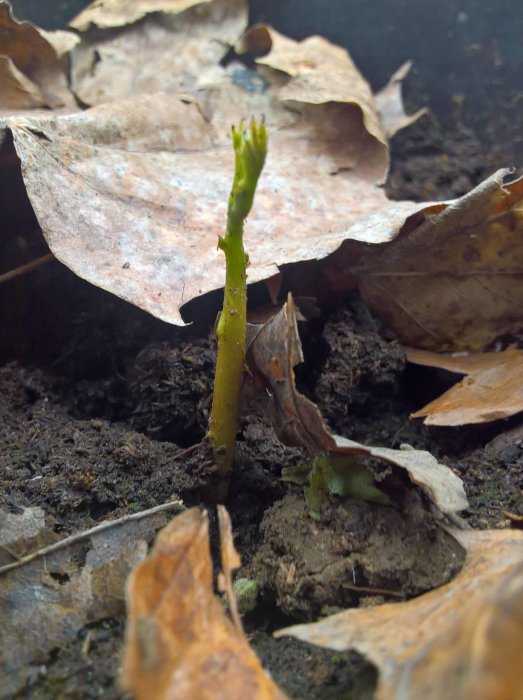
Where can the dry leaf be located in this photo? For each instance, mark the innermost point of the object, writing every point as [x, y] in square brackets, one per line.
[34, 65]
[150, 47]
[55, 597]
[273, 351]
[324, 75]
[390, 104]
[144, 225]
[230, 561]
[461, 641]
[271, 355]
[438, 482]
[105, 14]
[492, 389]
[452, 278]
[180, 644]
[132, 195]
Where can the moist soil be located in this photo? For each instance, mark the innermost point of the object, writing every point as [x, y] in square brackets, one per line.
[98, 403]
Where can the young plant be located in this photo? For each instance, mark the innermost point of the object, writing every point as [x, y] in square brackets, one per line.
[250, 148]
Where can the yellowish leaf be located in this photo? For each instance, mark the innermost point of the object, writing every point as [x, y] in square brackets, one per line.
[492, 389]
[180, 644]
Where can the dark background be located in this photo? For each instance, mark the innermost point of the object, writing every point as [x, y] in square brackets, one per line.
[467, 54]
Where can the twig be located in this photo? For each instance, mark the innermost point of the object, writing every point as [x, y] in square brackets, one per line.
[19, 271]
[78, 536]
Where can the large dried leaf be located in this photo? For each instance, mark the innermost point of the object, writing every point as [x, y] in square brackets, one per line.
[273, 351]
[180, 644]
[132, 196]
[56, 596]
[492, 389]
[151, 46]
[461, 641]
[33, 65]
[452, 279]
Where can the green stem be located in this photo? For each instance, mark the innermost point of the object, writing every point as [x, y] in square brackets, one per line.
[250, 150]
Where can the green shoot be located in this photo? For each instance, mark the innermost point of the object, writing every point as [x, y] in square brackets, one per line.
[250, 148]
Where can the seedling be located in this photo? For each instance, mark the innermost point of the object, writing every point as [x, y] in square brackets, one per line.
[250, 148]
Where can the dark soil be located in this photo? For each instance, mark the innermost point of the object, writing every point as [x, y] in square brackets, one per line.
[98, 402]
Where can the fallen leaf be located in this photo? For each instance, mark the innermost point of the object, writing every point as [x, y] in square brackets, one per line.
[34, 64]
[164, 209]
[451, 280]
[56, 596]
[146, 47]
[179, 641]
[390, 104]
[322, 73]
[492, 389]
[230, 561]
[105, 14]
[273, 350]
[436, 480]
[461, 641]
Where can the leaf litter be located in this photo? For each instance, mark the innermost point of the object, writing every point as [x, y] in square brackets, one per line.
[460, 641]
[180, 643]
[118, 187]
[492, 389]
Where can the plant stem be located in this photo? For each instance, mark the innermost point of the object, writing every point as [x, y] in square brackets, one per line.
[250, 148]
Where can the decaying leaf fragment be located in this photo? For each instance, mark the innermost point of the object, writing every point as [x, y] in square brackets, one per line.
[462, 641]
[491, 390]
[33, 67]
[321, 73]
[57, 595]
[180, 643]
[146, 47]
[451, 280]
[274, 350]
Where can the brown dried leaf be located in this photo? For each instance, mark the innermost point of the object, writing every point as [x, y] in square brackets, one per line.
[323, 74]
[230, 561]
[17, 91]
[118, 13]
[452, 279]
[153, 46]
[179, 642]
[438, 482]
[271, 355]
[36, 74]
[390, 104]
[461, 641]
[132, 197]
[492, 389]
[54, 597]
[273, 351]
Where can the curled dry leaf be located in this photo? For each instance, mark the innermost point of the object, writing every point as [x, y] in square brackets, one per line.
[461, 641]
[436, 480]
[131, 196]
[33, 64]
[452, 279]
[179, 641]
[390, 104]
[273, 351]
[55, 597]
[323, 74]
[149, 47]
[105, 14]
[492, 389]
